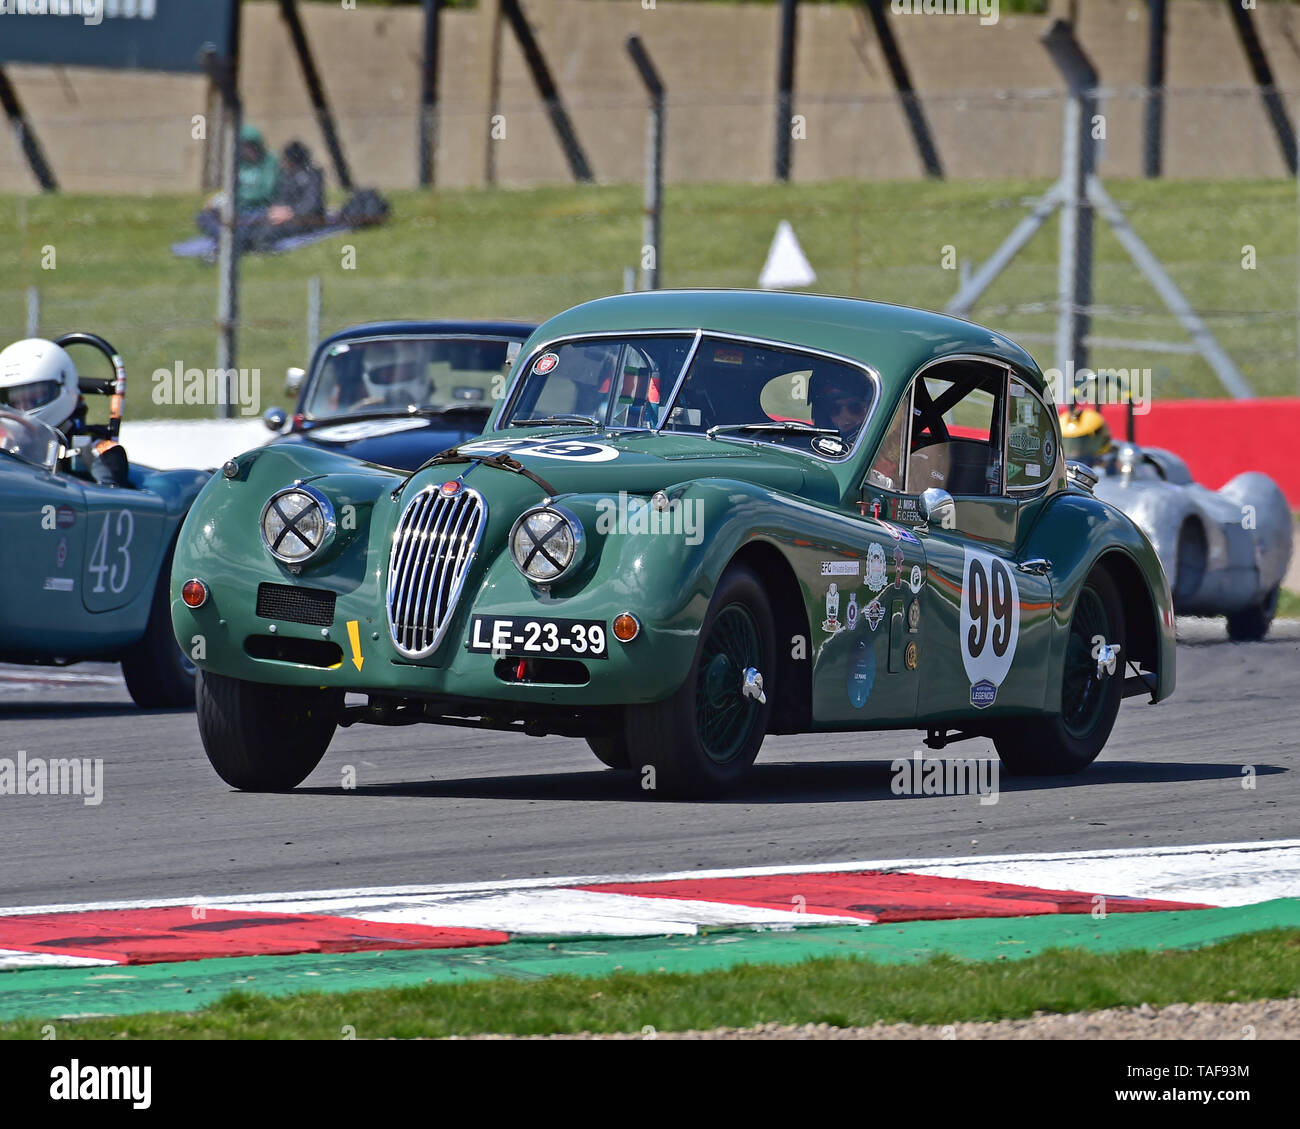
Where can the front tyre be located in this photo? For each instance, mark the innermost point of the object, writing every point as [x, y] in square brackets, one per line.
[611, 750]
[702, 741]
[158, 673]
[1251, 624]
[1071, 740]
[263, 738]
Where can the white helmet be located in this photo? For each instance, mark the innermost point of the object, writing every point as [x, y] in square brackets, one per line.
[396, 372]
[39, 378]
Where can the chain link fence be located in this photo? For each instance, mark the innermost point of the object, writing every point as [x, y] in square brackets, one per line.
[874, 229]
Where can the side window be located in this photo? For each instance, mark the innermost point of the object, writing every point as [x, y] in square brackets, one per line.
[1031, 439]
[886, 472]
[957, 428]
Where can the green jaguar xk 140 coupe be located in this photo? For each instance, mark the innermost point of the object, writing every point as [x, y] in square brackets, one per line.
[695, 518]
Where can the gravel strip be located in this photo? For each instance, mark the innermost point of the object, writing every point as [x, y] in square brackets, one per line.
[1261, 1019]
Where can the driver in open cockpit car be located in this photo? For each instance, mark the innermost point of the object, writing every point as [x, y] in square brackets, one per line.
[38, 378]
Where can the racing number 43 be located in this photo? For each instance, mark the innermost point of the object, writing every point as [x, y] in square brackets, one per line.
[119, 571]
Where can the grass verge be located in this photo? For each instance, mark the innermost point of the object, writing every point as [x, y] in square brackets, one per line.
[842, 992]
[104, 264]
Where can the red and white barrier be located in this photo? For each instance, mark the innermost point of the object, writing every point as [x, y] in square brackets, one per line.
[1219, 439]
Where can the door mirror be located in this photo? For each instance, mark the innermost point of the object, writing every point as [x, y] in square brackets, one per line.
[274, 419]
[937, 506]
[293, 380]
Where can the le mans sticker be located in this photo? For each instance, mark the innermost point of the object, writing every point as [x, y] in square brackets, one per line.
[990, 623]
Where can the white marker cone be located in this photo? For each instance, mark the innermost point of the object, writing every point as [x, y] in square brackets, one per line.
[786, 264]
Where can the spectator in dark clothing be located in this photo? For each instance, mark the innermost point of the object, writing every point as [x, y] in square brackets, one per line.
[300, 203]
[257, 185]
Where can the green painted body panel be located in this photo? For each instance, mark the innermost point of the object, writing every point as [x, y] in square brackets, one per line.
[77, 579]
[752, 496]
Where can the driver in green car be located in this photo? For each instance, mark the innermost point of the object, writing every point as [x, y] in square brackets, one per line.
[839, 399]
[38, 378]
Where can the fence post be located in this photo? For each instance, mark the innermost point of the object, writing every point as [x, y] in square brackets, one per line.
[33, 311]
[313, 316]
[654, 162]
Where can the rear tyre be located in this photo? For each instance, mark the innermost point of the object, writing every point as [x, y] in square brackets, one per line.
[1252, 624]
[702, 741]
[263, 738]
[611, 751]
[1070, 741]
[158, 673]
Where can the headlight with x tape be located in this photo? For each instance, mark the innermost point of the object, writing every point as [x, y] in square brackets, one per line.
[546, 543]
[297, 523]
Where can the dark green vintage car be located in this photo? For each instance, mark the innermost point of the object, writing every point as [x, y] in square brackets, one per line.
[695, 518]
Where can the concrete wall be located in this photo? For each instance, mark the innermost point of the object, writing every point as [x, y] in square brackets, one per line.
[990, 94]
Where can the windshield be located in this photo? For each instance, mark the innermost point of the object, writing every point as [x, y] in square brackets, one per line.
[395, 374]
[765, 393]
[29, 439]
[609, 382]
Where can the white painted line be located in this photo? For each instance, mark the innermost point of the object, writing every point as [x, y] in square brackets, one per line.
[11, 960]
[549, 912]
[1120, 856]
[1218, 879]
[57, 678]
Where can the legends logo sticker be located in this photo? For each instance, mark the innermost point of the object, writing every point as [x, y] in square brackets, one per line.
[983, 693]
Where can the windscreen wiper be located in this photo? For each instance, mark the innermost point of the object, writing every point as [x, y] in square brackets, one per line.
[776, 425]
[570, 418]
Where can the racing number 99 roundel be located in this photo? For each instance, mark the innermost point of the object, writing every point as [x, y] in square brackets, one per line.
[990, 623]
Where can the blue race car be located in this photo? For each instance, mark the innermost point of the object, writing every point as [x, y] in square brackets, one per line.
[85, 556]
[395, 393]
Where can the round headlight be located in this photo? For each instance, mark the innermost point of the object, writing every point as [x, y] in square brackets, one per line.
[297, 523]
[546, 543]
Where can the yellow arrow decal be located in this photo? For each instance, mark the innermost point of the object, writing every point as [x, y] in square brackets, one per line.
[354, 637]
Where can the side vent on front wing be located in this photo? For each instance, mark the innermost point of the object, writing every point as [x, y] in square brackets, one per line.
[436, 539]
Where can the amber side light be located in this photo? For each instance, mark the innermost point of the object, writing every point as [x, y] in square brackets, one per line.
[626, 627]
[194, 593]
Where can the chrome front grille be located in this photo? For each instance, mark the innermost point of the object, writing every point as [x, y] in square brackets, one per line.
[437, 536]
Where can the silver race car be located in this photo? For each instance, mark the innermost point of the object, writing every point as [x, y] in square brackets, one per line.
[1225, 552]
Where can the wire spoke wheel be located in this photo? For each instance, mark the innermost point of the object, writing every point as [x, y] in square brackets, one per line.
[1083, 694]
[724, 717]
[1069, 741]
[701, 741]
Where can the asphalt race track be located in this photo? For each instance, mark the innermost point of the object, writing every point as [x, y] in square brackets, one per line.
[433, 804]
